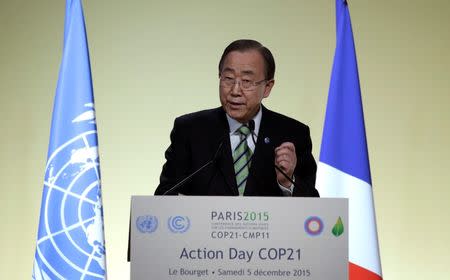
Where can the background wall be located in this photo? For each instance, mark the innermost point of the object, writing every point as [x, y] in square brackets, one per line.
[155, 60]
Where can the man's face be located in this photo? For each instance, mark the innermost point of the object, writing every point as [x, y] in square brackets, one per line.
[243, 104]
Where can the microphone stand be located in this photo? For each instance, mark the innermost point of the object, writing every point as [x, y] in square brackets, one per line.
[182, 182]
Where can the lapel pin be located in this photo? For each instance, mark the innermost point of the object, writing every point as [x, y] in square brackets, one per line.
[267, 140]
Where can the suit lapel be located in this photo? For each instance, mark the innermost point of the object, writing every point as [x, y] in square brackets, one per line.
[225, 159]
[263, 158]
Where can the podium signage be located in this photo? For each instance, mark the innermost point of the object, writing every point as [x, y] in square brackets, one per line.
[191, 237]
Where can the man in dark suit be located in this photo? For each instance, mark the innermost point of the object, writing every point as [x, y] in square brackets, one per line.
[254, 151]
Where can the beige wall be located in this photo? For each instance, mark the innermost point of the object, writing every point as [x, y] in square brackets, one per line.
[154, 60]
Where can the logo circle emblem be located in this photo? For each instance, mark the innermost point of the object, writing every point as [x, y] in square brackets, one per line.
[178, 224]
[147, 224]
[313, 226]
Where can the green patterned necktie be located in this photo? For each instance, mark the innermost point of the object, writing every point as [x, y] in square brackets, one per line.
[242, 156]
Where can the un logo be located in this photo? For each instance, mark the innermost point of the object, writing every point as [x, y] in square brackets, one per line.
[74, 232]
[147, 224]
[178, 224]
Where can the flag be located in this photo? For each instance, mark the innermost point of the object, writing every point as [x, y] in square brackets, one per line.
[70, 240]
[344, 169]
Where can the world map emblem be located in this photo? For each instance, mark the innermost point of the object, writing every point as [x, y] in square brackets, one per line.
[147, 224]
[71, 234]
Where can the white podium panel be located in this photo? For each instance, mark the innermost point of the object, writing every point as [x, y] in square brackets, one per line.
[191, 237]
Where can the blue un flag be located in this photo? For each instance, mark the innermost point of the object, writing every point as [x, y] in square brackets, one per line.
[70, 241]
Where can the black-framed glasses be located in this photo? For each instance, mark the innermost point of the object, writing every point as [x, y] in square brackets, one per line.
[245, 84]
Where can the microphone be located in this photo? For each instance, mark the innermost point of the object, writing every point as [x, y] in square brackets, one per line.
[179, 185]
[186, 179]
[251, 126]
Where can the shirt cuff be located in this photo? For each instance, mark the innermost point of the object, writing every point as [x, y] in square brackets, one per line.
[287, 191]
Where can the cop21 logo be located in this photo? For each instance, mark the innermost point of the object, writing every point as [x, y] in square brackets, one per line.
[313, 226]
[176, 224]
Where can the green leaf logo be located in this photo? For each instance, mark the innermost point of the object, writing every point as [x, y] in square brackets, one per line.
[338, 228]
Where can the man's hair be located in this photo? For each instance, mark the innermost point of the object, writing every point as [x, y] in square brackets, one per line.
[243, 45]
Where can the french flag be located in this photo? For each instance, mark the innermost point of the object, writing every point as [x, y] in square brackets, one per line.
[344, 169]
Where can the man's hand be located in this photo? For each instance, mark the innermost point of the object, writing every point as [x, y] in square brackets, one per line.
[286, 160]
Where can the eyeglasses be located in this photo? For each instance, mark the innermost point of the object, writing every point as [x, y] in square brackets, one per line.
[244, 84]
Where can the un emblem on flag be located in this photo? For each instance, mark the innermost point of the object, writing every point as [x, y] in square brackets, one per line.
[70, 241]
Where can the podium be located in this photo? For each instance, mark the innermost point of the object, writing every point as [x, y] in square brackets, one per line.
[193, 237]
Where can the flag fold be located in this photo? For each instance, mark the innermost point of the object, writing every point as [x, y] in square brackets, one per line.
[343, 169]
[70, 240]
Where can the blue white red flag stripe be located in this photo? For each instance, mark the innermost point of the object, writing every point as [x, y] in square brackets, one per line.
[344, 169]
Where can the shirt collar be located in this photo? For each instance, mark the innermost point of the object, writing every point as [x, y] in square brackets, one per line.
[235, 125]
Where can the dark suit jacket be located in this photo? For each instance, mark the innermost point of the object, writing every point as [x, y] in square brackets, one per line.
[196, 137]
